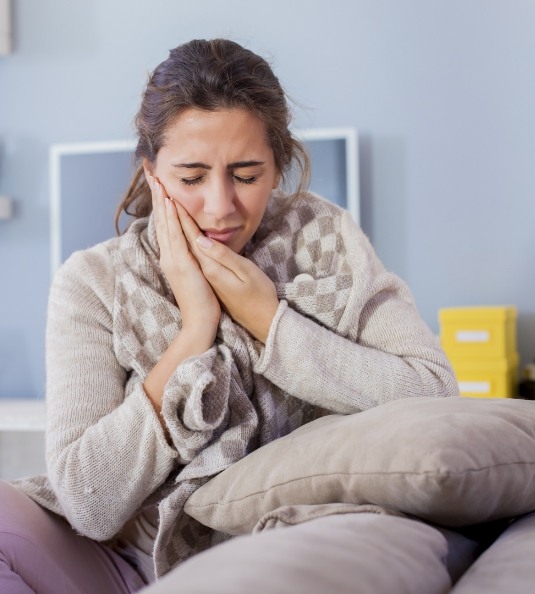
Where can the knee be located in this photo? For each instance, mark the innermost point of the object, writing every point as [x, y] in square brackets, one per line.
[19, 515]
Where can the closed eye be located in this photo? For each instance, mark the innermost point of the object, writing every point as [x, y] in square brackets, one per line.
[245, 180]
[191, 181]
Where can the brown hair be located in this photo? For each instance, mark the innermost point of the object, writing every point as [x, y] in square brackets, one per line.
[211, 75]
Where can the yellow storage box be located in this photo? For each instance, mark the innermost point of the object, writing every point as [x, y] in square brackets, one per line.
[478, 332]
[487, 378]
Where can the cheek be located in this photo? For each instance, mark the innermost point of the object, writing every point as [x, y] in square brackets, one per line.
[185, 196]
[171, 184]
[256, 205]
[172, 187]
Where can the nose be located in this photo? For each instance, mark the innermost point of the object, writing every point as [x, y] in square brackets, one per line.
[219, 199]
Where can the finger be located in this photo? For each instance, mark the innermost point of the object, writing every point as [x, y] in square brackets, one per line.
[192, 232]
[189, 226]
[177, 238]
[174, 240]
[190, 229]
[160, 214]
[222, 255]
[213, 252]
[155, 204]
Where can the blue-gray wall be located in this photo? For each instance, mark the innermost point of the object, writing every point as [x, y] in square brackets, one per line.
[442, 92]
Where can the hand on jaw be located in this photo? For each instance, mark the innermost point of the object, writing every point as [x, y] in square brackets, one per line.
[199, 306]
[246, 293]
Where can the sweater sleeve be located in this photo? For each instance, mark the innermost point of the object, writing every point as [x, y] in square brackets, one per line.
[105, 448]
[386, 350]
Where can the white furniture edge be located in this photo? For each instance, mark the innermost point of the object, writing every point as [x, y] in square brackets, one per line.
[349, 135]
[22, 414]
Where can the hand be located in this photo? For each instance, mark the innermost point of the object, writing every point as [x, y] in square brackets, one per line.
[248, 295]
[199, 306]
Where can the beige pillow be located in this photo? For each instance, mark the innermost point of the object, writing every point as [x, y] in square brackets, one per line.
[451, 461]
[340, 554]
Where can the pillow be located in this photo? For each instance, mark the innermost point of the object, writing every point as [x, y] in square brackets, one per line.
[334, 555]
[451, 461]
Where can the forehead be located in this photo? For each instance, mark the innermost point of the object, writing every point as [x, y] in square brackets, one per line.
[229, 130]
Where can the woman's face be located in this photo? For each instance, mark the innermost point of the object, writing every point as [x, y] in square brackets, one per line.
[220, 168]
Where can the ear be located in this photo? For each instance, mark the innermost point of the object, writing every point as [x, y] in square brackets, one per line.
[147, 168]
[277, 181]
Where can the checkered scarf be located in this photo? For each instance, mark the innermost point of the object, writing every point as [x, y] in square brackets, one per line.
[216, 407]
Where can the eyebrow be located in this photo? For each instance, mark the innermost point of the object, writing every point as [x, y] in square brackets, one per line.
[236, 165]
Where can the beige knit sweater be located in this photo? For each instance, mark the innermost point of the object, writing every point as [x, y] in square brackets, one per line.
[345, 338]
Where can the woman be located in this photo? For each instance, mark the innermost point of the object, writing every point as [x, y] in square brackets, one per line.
[227, 315]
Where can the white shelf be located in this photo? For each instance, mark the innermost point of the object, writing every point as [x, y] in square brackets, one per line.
[22, 415]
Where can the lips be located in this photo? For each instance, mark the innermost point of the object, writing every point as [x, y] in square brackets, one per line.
[221, 235]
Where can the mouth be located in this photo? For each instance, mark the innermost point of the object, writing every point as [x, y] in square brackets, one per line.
[221, 235]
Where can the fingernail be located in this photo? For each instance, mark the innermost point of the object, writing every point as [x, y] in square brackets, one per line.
[168, 203]
[204, 242]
